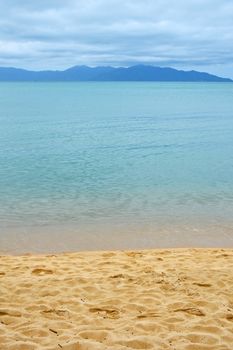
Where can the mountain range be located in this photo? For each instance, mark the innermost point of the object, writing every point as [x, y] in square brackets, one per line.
[85, 73]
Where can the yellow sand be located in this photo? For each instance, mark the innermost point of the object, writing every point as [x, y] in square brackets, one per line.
[153, 299]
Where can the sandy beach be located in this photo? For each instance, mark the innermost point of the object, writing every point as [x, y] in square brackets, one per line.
[148, 299]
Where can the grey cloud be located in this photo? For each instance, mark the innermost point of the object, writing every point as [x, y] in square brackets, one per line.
[55, 34]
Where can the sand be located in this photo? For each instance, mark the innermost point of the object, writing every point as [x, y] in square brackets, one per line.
[152, 299]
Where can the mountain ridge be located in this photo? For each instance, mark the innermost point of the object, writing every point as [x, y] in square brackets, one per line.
[138, 72]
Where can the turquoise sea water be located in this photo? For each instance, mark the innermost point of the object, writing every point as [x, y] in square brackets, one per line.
[92, 155]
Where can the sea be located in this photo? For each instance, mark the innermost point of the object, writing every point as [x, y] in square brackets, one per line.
[87, 165]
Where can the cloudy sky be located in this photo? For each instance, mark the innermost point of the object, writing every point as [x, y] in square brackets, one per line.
[57, 34]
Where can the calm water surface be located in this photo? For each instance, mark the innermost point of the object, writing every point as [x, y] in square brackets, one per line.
[90, 156]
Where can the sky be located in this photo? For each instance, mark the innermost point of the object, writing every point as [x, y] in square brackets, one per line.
[57, 34]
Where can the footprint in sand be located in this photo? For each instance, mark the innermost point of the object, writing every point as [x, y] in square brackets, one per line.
[136, 344]
[108, 313]
[120, 275]
[191, 311]
[9, 312]
[229, 317]
[41, 272]
[202, 284]
[74, 346]
[149, 315]
[207, 339]
[21, 345]
[108, 255]
[58, 312]
[98, 336]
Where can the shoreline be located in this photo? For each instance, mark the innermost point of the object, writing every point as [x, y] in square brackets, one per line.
[71, 239]
[115, 251]
[135, 299]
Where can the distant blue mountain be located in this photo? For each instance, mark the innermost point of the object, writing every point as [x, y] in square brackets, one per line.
[85, 73]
